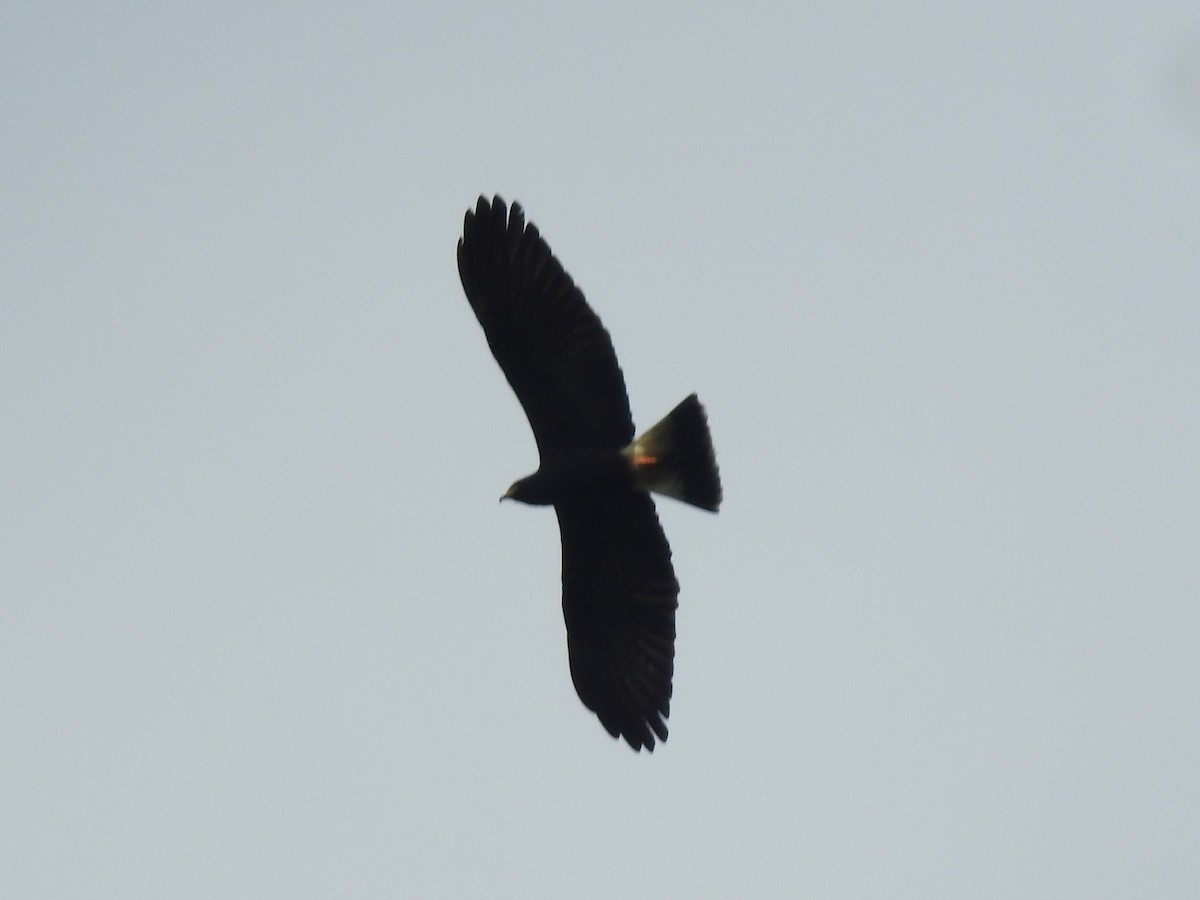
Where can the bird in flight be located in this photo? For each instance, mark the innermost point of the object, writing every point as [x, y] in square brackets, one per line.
[619, 591]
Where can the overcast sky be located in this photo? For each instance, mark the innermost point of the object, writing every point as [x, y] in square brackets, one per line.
[933, 268]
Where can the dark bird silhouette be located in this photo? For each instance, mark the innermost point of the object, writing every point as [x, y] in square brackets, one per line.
[619, 588]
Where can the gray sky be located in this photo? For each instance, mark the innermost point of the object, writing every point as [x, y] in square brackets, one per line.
[265, 631]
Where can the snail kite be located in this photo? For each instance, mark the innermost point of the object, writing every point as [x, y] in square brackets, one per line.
[619, 589]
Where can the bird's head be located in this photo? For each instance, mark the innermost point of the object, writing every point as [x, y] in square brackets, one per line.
[532, 489]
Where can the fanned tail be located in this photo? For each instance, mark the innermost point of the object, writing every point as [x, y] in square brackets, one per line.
[675, 457]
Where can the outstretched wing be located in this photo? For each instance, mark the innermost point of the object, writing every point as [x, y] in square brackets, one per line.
[550, 345]
[619, 600]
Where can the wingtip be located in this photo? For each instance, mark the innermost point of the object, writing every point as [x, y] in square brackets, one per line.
[497, 205]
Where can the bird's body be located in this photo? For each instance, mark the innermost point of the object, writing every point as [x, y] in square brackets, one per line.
[619, 588]
[561, 479]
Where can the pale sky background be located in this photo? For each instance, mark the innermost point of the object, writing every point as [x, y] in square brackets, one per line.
[934, 269]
